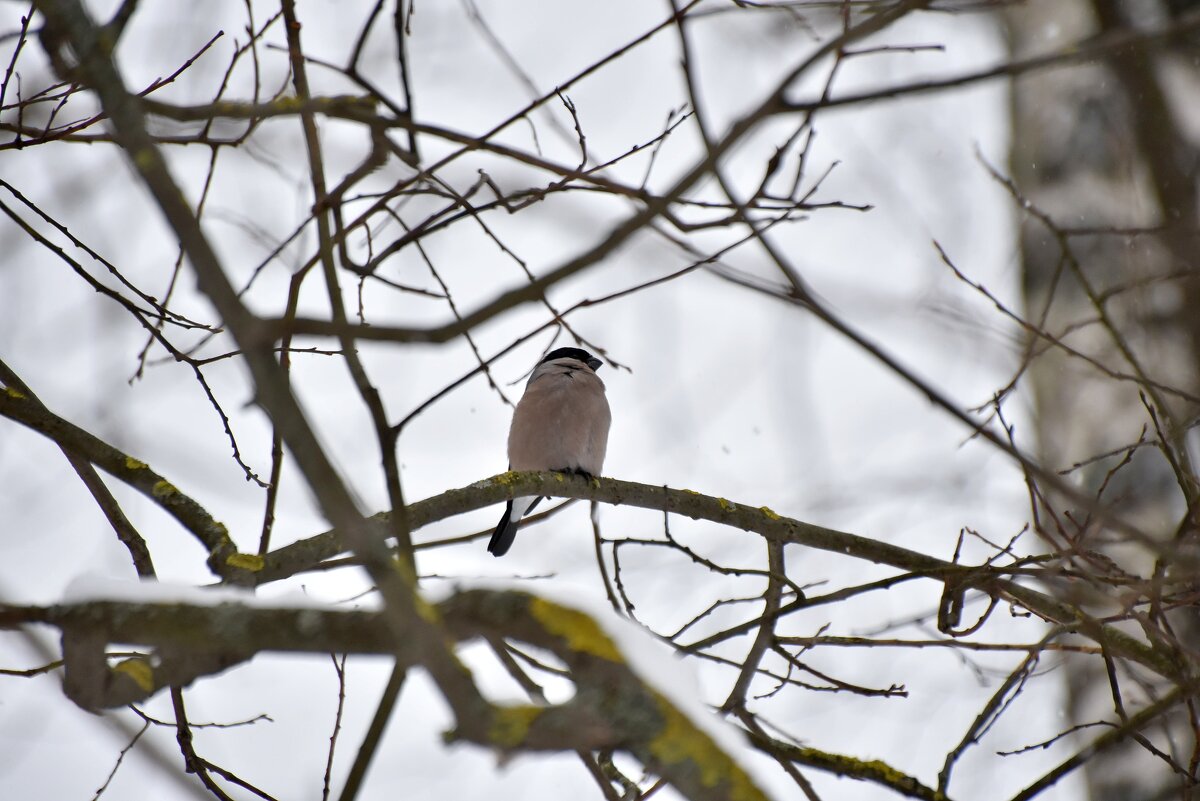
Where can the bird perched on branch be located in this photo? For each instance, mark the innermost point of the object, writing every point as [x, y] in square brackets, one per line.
[561, 424]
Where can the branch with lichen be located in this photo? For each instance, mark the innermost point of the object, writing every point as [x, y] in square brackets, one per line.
[223, 558]
[613, 707]
[875, 771]
[309, 553]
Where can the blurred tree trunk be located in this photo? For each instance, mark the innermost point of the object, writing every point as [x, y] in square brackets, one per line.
[1106, 150]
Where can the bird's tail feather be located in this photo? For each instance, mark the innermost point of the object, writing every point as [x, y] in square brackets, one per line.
[506, 531]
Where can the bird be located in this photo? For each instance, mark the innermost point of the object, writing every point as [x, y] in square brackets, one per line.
[561, 423]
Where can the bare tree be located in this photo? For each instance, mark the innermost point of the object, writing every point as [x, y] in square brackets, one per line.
[278, 218]
[1104, 162]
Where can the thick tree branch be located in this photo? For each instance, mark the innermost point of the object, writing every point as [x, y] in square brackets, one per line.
[874, 771]
[308, 553]
[223, 557]
[126, 533]
[613, 708]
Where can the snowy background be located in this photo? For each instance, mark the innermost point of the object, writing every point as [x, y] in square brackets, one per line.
[726, 393]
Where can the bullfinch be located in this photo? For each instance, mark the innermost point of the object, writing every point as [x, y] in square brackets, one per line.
[561, 424]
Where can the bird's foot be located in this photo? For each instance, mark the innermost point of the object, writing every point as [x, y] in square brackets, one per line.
[576, 471]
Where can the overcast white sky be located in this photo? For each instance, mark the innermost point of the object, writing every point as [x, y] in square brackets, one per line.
[727, 392]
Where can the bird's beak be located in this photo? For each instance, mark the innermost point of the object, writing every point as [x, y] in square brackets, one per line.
[595, 363]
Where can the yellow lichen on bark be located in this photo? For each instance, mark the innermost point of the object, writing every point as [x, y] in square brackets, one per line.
[139, 670]
[580, 631]
[680, 742]
[510, 724]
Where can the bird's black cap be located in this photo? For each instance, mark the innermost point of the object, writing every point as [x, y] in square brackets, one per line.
[578, 354]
